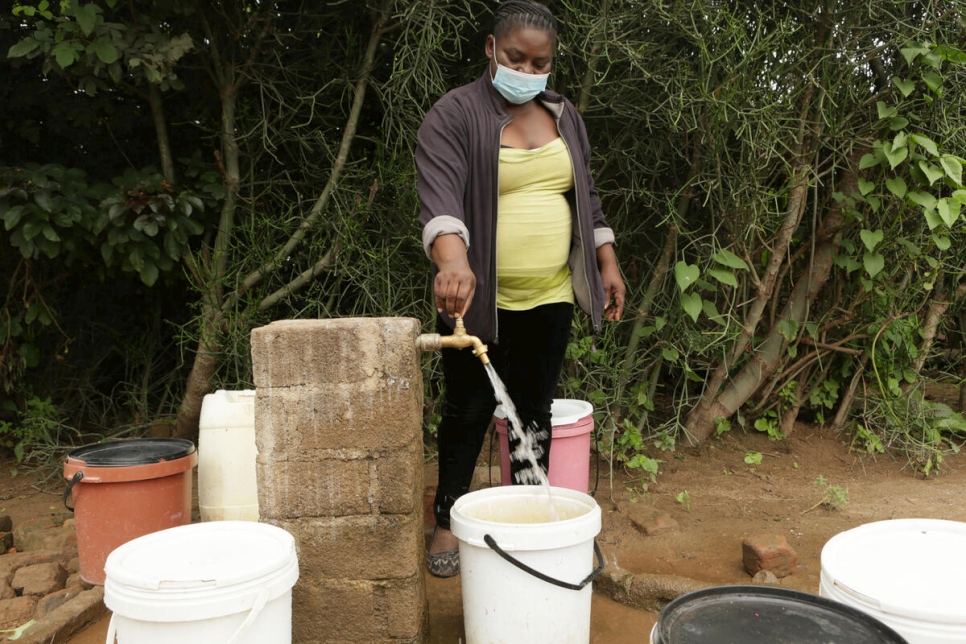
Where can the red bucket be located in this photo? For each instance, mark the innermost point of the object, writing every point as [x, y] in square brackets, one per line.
[126, 489]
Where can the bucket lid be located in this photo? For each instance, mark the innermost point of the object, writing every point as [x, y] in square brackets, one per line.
[564, 411]
[136, 451]
[200, 571]
[767, 614]
[915, 568]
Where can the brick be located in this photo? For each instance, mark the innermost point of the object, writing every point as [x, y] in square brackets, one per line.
[293, 423]
[768, 552]
[361, 547]
[652, 523]
[289, 353]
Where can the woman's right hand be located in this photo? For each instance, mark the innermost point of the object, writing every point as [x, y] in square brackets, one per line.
[455, 281]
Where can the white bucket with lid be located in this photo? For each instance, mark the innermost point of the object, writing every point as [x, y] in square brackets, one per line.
[525, 577]
[225, 582]
[227, 479]
[909, 573]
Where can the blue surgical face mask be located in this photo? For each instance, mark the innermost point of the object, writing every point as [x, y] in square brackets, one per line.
[518, 87]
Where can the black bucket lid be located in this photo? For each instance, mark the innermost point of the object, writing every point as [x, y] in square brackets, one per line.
[136, 451]
[743, 614]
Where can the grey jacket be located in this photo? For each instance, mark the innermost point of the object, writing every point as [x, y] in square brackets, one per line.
[457, 160]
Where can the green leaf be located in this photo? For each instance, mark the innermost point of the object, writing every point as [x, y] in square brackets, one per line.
[870, 160]
[894, 155]
[934, 81]
[874, 263]
[865, 186]
[23, 48]
[926, 143]
[897, 186]
[910, 53]
[898, 123]
[874, 202]
[51, 234]
[727, 258]
[948, 211]
[149, 273]
[959, 195]
[885, 112]
[64, 54]
[670, 354]
[932, 219]
[685, 275]
[953, 168]
[933, 174]
[924, 199]
[712, 312]
[788, 329]
[105, 50]
[692, 304]
[870, 238]
[32, 228]
[723, 276]
[12, 217]
[846, 262]
[86, 17]
[905, 86]
[942, 242]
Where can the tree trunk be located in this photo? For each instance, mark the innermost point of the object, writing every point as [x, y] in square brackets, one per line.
[769, 355]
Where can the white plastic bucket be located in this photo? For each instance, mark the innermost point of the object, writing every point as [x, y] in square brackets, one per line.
[526, 578]
[227, 480]
[225, 582]
[572, 423]
[909, 573]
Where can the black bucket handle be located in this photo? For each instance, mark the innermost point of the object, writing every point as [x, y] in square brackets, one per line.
[70, 486]
[490, 541]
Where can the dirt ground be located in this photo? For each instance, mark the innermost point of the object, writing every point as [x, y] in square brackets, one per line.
[716, 500]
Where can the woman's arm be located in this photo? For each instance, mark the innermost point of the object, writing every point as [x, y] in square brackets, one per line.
[610, 275]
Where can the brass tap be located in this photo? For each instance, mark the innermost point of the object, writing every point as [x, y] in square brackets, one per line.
[459, 340]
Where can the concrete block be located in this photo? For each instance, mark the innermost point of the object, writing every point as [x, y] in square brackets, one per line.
[336, 611]
[325, 488]
[295, 423]
[361, 547]
[397, 480]
[290, 353]
[406, 608]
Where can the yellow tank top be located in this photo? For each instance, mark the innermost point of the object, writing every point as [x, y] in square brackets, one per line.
[533, 229]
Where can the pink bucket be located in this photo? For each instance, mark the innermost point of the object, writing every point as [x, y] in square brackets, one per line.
[573, 424]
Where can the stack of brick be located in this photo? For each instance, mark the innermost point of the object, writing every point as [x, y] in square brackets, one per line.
[338, 427]
[43, 599]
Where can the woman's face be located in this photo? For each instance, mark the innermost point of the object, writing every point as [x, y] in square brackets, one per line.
[524, 49]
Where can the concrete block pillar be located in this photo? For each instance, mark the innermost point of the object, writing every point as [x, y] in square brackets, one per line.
[338, 425]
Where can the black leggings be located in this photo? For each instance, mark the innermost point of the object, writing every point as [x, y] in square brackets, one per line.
[528, 359]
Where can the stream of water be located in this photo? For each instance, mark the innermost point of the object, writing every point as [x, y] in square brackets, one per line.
[525, 450]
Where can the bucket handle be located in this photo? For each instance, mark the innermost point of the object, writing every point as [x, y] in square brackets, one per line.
[490, 541]
[257, 607]
[70, 486]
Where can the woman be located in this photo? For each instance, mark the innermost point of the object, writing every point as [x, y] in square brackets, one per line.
[515, 230]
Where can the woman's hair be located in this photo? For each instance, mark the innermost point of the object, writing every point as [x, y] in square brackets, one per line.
[511, 14]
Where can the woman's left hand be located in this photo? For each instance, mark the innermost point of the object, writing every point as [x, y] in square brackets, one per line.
[610, 275]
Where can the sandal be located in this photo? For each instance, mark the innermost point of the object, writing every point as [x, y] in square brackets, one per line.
[443, 564]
